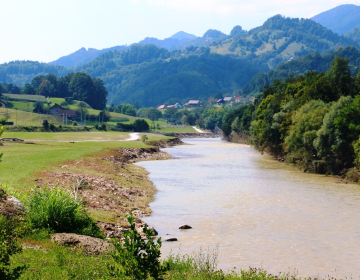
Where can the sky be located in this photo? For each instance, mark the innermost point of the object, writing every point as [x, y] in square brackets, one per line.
[43, 30]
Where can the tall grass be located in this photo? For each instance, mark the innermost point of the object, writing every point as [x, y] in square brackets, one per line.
[58, 210]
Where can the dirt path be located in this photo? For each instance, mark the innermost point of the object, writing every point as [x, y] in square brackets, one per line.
[198, 130]
[133, 136]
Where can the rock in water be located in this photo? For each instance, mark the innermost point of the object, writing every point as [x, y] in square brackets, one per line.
[185, 227]
[171, 239]
[154, 231]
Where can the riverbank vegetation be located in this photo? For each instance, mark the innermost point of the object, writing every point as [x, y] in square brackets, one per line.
[312, 120]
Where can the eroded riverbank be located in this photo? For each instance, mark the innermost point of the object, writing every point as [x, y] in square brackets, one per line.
[110, 185]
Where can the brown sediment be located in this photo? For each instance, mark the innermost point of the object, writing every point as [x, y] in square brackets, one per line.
[110, 185]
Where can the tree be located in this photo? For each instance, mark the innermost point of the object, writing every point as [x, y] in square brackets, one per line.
[28, 89]
[100, 94]
[46, 88]
[141, 125]
[82, 108]
[82, 88]
[339, 73]
[36, 81]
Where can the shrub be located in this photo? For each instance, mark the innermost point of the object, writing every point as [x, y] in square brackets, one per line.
[141, 125]
[45, 125]
[136, 258]
[52, 127]
[9, 246]
[74, 123]
[59, 211]
[103, 127]
[144, 138]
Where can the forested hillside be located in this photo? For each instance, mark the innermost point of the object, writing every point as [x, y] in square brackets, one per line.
[21, 72]
[340, 19]
[312, 120]
[310, 62]
[354, 34]
[153, 77]
[281, 39]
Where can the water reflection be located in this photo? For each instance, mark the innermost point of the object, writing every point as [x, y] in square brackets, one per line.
[259, 211]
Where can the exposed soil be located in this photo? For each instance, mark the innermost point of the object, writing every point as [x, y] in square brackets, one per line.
[110, 185]
[9, 206]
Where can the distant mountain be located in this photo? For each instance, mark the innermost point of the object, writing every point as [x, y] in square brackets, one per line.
[82, 56]
[183, 35]
[354, 34]
[280, 39]
[340, 19]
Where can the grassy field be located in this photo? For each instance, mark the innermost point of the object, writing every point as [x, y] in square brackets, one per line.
[21, 161]
[179, 129]
[27, 118]
[29, 97]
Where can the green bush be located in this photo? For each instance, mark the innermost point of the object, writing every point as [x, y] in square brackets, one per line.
[9, 231]
[59, 211]
[74, 123]
[137, 258]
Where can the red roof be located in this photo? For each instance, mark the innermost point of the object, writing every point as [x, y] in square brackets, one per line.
[161, 107]
[67, 112]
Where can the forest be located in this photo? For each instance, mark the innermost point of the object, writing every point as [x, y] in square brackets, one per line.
[312, 120]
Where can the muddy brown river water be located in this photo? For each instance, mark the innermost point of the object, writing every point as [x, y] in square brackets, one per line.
[257, 211]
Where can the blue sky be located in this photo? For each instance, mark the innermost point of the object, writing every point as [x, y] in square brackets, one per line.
[46, 30]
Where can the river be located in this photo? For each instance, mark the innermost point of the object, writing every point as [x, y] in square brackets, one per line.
[257, 211]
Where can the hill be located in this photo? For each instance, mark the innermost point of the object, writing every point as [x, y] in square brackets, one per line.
[340, 19]
[21, 72]
[310, 62]
[82, 56]
[354, 34]
[281, 39]
[152, 76]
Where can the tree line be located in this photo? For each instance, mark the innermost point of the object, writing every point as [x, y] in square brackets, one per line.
[312, 120]
[79, 86]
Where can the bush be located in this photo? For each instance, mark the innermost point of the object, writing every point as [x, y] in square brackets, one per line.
[144, 138]
[59, 211]
[136, 258]
[141, 125]
[103, 127]
[74, 123]
[9, 246]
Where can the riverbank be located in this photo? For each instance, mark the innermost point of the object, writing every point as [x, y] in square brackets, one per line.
[110, 185]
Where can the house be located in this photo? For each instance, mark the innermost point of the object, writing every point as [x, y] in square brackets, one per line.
[220, 101]
[39, 110]
[161, 107]
[176, 105]
[193, 103]
[227, 99]
[54, 110]
[70, 114]
[238, 98]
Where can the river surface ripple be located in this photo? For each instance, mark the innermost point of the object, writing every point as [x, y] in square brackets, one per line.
[259, 212]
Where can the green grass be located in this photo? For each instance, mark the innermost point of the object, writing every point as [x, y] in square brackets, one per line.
[27, 118]
[179, 129]
[29, 97]
[21, 160]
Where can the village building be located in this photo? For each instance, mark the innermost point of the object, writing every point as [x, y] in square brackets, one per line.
[220, 101]
[161, 107]
[55, 109]
[70, 114]
[193, 103]
[176, 105]
[227, 99]
[39, 110]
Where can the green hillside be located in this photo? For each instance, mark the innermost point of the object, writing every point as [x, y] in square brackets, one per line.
[282, 39]
[310, 62]
[354, 34]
